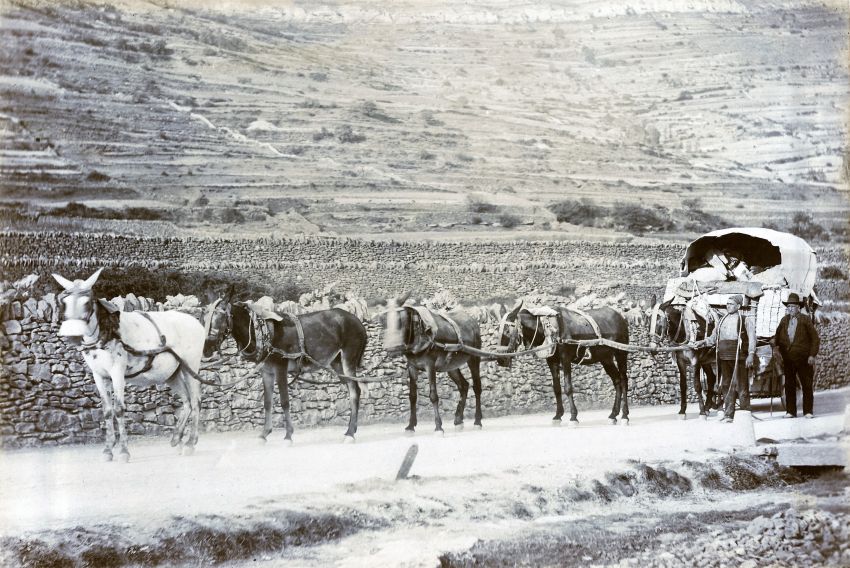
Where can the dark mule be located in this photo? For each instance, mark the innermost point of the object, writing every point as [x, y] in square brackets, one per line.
[668, 325]
[520, 327]
[333, 338]
[406, 332]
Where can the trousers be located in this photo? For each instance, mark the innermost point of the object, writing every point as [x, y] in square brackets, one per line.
[737, 388]
[794, 369]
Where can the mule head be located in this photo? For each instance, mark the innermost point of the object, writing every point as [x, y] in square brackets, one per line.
[509, 335]
[77, 299]
[217, 325]
[398, 322]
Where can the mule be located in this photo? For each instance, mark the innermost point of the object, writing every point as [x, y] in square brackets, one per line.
[520, 327]
[140, 348]
[291, 343]
[668, 324]
[407, 333]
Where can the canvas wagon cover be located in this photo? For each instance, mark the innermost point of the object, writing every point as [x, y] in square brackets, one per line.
[766, 247]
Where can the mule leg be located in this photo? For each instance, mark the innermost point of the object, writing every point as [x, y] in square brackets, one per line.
[622, 359]
[279, 371]
[681, 361]
[268, 397]
[178, 386]
[463, 388]
[474, 365]
[698, 389]
[711, 382]
[435, 398]
[554, 369]
[104, 389]
[349, 367]
[194, 389]
[566, 365]
[411, 379]
[118, 385]
[613, 372]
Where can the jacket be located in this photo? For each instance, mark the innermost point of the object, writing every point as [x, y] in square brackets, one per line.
[806, 339]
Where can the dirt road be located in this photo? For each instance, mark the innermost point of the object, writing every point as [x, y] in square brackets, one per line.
[464, 486]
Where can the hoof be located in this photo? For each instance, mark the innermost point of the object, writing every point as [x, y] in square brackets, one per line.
[459, 427]
[624, 421]
[612, 421]
[188, 450]
[348, 439]
[478, 426]
[262, 440]
[556, 422]
[409, 432]
[287, 442]
[174, 442]
[123, 457]
[572, 424]
[703, 417]
[106, 456]
[439, 433]
[683, 417]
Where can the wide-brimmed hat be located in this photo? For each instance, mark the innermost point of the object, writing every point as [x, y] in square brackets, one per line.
[793, 299]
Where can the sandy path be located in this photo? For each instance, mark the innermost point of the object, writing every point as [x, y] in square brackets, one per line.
[232, 473]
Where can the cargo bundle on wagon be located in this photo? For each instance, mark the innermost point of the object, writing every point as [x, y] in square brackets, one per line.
[764, 266]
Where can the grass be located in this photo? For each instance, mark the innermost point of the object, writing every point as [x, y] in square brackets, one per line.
[207, 541]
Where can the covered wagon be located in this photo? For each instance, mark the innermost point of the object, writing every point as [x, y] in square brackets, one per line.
[764, 266]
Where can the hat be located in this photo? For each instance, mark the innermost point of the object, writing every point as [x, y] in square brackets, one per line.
[737, 298]
[793, 299]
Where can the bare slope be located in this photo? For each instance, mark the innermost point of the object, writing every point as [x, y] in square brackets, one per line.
[384, 117]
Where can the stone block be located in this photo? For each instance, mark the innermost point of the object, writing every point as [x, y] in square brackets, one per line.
[12, 327]
[24, 427]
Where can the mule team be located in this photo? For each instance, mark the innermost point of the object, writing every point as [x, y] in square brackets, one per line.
[167, 347]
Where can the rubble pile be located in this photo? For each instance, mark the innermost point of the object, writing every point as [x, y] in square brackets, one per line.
[788, 538]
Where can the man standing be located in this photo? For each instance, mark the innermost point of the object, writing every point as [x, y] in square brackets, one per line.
[735, 338]
[799, 343]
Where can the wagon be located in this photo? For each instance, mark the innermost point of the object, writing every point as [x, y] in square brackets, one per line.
[764, 266]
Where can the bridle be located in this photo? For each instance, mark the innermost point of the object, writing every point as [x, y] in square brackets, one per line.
[513, 328]
[665, 336]
[87, 318]
[217, 330]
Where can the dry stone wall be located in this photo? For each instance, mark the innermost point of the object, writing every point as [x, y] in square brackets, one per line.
[47, 395]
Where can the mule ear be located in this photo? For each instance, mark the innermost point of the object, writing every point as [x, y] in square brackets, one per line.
[64, 282]
[512, 314]
[87, 285]
[653, 299]
[399, 301]
[230, 292]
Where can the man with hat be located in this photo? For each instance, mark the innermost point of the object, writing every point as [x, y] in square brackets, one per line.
[735, 338]
[798, 343]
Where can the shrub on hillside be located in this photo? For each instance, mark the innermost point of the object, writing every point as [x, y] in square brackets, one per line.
[832, 273]
[805, 227]
[509, 220]
[583, 212]
[638, 219]
[477, 204]
[160, 283]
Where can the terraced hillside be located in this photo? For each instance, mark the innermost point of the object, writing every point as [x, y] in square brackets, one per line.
[359, 117]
